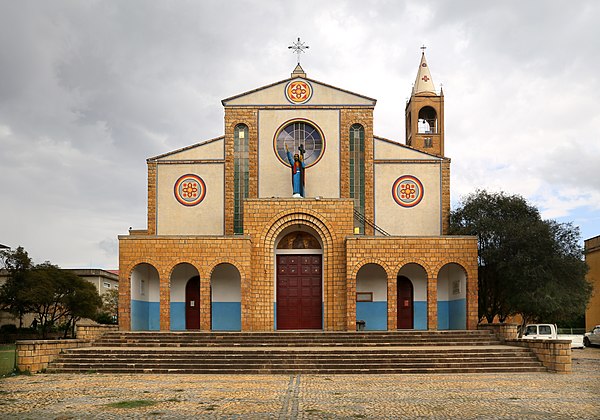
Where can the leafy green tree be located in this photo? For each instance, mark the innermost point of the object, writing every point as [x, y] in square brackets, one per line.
[110, 308]
[527, 265]
[58, 295]
[17, 264]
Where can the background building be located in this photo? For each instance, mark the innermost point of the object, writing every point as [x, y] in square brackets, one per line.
[592, 258]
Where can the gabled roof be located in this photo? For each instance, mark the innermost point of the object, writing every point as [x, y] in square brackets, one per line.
[404, 146]
[183, 149]
[282, 82]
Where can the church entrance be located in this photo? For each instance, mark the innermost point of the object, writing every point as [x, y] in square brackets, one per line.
[405, 304]
[192, 304]
[299, 292]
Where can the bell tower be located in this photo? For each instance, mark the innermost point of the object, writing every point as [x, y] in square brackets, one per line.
[425, 113]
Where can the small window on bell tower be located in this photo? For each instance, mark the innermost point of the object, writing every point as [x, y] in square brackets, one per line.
[427, 123]
[427, 142]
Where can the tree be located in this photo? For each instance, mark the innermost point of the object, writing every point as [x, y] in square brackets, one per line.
[527, 265]
[58, 295]
[110, 308]
[17, 264]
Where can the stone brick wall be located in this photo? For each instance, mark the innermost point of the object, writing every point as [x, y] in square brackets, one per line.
[233, 117]
[152, 167]
[502, 330]
[364, 117]
[166, 252]
[34, 355]
[92, 332]
[431, 253]
[331, 219]
[554, 354]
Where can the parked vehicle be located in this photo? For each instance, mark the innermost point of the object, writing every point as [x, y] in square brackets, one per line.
[550, 332]
[592, 338]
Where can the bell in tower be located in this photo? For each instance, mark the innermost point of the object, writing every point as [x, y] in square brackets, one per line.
[425, 113]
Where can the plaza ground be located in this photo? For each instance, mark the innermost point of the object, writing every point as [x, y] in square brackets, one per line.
[541, 395]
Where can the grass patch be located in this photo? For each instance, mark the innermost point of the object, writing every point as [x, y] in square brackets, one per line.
[131, 404]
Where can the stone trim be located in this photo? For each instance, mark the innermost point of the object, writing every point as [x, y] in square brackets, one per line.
[555, 355]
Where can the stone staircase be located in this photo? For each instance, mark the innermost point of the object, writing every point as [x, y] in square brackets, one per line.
[298, 352]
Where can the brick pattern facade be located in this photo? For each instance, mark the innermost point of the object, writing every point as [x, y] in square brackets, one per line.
[364, 117]
[233, 117]
[164, 253]
[431, 253]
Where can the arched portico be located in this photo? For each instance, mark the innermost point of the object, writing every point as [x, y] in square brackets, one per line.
[298, 279]
[412, 309]
[371, 297]
[226, 307]
[145, 298]
[452, 297]
[182, 303]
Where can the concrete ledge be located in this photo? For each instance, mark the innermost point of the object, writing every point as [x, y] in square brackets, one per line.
[555, 355]
[34, 355]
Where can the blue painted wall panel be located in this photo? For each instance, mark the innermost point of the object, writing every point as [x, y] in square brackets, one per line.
[139, 315]
[153, 316]
[443, 321]
[458, 314]
[374, 314]
[420, 315]
[226, 316]
[177, 316]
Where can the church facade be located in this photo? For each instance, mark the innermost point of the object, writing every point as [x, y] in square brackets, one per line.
[300, 218]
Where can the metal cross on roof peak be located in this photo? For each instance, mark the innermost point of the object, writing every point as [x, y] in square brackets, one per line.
[423, 47]
[298, 48]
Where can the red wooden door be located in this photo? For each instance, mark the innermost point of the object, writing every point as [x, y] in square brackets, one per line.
[192, 304]
[405, 304]
[299, 303]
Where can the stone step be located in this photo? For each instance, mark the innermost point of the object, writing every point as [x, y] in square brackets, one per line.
[298, 352]
[323, 371]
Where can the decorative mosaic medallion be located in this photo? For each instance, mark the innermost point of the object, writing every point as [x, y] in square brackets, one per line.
[190, 190]
[298, 91]
[298, 134]
[407, 191]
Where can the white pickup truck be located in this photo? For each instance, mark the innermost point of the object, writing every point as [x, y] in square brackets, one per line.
[549, 332]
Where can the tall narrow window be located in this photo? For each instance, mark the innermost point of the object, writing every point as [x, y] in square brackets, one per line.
[357, 174]
[240, 175]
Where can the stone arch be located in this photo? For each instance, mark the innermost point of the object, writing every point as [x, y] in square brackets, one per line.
[325, 235]
[419, 277]
[144, 287]
[452, 296]
[179, 276]
[372, 283]
[226, 297]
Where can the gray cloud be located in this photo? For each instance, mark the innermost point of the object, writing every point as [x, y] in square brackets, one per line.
[89, 90]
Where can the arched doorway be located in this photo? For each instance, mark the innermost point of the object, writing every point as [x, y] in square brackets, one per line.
[226, 296]
[145, 298]
[299, 281]
[192, 304]
[371, 297]
[180, 276]
[405, 303]
[413, 302]
[452, 297]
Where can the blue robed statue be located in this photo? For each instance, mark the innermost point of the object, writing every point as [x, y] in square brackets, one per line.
[297, 163]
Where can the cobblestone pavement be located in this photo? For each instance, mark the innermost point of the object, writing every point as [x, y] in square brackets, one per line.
[465, 396]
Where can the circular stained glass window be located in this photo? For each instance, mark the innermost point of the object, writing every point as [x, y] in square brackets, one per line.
[299, 135]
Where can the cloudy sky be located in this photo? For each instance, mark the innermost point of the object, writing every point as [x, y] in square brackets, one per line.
[90, 89]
